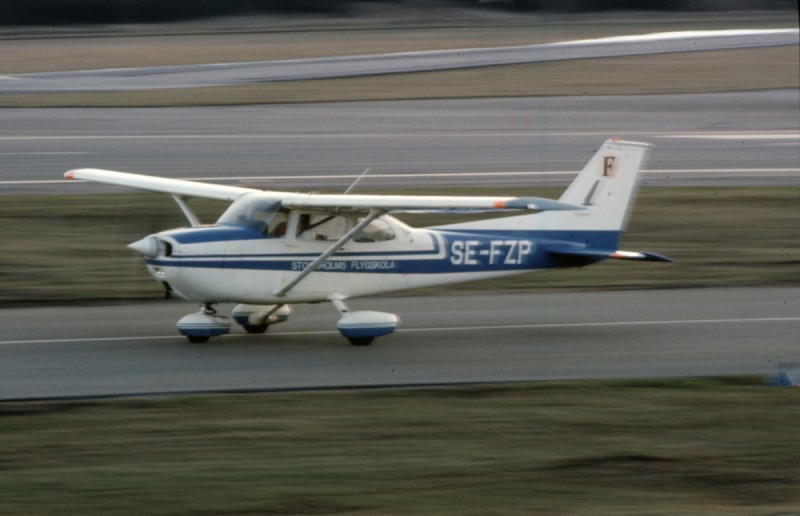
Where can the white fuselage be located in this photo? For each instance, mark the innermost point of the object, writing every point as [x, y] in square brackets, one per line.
[230, 264]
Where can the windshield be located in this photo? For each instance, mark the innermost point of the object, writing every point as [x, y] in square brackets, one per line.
[251, 211]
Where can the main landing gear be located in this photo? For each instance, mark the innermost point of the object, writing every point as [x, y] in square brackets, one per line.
[257, 318]
[204, 324]
[360, 327]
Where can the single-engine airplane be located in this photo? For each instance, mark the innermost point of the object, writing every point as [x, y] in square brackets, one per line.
[270, 250]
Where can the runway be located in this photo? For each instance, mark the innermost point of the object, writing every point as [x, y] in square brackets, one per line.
[724, 138]
[133, 348]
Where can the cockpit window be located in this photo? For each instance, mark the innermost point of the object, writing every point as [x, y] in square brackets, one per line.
[268, 217]
[333, 227]
[253, 212]
[320, 227]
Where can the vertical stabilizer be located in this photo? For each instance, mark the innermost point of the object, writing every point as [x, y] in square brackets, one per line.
[606, 187]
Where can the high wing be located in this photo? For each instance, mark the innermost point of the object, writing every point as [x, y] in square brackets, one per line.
[336, 203]
[413, 203]
[159, 184]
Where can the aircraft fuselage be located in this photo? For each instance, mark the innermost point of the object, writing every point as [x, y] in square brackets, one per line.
[238, 264]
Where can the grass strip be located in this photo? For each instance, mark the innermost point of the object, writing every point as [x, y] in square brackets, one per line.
[73, 248]
[695, 446]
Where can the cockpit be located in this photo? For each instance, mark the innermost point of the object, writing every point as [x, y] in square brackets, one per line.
[258, 213]
[268, 217]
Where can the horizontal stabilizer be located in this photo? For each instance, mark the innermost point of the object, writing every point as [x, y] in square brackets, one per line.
[606, 253]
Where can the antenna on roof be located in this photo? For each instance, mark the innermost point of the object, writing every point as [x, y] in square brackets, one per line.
[352, 186]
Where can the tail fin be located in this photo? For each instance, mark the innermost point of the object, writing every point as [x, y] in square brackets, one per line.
[606, 186]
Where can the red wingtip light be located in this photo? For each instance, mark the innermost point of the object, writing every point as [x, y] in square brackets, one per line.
[70, 174]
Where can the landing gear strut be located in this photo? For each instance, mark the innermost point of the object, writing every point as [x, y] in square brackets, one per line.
[257, 318]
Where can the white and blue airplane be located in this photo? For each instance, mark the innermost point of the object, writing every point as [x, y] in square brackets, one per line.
[271, 250]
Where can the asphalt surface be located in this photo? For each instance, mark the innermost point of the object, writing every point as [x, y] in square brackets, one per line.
[724, 138]
[221, 74]
[134, 349]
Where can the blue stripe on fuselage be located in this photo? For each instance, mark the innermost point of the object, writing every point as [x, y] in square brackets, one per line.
[464, 251]
[206, 234]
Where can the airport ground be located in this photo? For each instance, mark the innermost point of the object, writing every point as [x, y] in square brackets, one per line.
[666, 446]
[695, 446]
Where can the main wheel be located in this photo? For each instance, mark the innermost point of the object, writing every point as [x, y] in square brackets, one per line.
[196, 339]
[255, 328]
[361, 341]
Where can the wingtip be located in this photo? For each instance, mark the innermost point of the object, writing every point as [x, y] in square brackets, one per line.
[70, 174]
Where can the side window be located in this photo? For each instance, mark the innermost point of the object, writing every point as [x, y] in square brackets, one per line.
[320, 227]
[277, 227]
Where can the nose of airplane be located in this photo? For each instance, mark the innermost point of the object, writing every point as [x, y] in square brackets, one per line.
[148, 246]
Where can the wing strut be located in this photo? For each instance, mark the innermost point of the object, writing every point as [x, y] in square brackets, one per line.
[193, 220]
[373, 214]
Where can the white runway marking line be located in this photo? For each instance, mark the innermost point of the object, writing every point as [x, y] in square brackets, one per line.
[763, 135]
[606, 324]
[467, 175]
[675, 35]
[735, 136]
[431, 329]
[521, 173]
[55, 153]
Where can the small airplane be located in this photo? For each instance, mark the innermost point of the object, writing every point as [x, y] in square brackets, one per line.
[270, 250]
